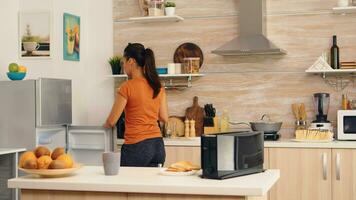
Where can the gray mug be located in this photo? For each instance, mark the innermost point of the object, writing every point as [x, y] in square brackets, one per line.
[111, 163]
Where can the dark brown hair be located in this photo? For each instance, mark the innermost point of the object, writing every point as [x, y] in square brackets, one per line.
[145, 58]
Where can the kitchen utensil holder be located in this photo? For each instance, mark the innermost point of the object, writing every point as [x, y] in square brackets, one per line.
[212, 129]
[300, 125]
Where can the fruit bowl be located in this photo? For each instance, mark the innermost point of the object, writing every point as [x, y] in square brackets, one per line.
[53, 172]
[16, 76]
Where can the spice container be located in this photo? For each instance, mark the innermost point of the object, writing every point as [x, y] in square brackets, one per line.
[156, 8]
[191, 65]
[353, 104]
[344, 102]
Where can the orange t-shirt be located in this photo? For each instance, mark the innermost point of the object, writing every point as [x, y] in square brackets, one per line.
[141, 111]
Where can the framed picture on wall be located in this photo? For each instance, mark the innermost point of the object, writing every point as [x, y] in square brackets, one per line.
[71, 37]
[35, 34]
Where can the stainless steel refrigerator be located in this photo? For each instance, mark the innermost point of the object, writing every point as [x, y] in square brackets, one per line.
[39, 113]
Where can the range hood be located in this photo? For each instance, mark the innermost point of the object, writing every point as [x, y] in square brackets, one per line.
[252, 38]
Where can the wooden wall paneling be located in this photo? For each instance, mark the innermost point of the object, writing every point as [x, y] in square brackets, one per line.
[253, 85]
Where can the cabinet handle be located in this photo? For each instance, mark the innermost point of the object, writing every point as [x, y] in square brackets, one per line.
[338, 158]
[325, 160]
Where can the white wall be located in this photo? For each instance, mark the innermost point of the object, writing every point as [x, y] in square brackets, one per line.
[92, 91]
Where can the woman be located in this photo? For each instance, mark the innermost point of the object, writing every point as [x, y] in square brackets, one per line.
[144, 101]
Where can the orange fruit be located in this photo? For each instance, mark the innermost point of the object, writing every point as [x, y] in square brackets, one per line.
[43, 162]
[67, 159]
[28, 155]
[22, 69]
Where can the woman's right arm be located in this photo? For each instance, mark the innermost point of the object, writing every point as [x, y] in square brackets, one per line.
[116, 111]
[163, 109]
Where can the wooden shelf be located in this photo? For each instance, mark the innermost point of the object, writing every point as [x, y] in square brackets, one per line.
[150, 19]
[343, 10]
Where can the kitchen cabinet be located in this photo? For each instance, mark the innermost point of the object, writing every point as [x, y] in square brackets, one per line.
[179, 153]
[344, 174]
[305, 173]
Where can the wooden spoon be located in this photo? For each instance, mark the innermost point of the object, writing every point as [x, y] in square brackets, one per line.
[302, 112]
[295, 109]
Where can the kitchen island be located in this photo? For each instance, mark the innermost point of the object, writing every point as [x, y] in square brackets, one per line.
[143, 183]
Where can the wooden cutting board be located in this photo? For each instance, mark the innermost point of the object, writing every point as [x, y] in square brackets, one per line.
[196, 113]
[176, 124]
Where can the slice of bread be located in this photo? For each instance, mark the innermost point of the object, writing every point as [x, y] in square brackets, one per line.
[182, 166]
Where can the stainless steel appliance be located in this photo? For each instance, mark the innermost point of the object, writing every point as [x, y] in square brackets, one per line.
[346, 125]
[39, 113]
[321, 103]
[252, 39]
[232, 154]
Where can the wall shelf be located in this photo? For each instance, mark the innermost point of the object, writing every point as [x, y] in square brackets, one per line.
[332, 71]
[150, 19]
[339, 79]
[169, 80]
[344, 10]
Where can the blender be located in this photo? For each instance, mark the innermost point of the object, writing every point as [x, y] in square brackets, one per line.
[321, 103]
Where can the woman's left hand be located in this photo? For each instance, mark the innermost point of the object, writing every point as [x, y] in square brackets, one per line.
[107, 125]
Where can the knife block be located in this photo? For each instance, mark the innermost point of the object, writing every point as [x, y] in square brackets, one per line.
[212, 129]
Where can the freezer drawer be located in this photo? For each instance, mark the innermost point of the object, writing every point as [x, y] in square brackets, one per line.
[51, 137]
[87, 143]
[53, 102]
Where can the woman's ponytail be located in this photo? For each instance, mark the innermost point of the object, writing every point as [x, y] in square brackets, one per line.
[145, 58]
[150, 72]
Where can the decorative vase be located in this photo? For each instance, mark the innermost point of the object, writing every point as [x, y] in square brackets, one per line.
[170, 11]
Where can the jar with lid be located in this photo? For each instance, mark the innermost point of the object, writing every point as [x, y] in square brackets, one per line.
[156, 8]
[191, 65]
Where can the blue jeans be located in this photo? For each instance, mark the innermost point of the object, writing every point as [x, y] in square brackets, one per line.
[147, 153]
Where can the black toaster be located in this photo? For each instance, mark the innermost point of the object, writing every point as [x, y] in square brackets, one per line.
[233, 154]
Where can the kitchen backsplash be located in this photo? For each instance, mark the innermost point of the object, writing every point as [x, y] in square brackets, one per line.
[247, 86]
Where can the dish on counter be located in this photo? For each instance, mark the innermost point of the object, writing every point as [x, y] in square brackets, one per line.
[42, 161]
[312, 141]
[53, 172]
[164, 172]
[314, 135]
[181, 168]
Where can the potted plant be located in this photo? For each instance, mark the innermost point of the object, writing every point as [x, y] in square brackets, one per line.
[115, 63]
[30, 42]
[170, 8]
